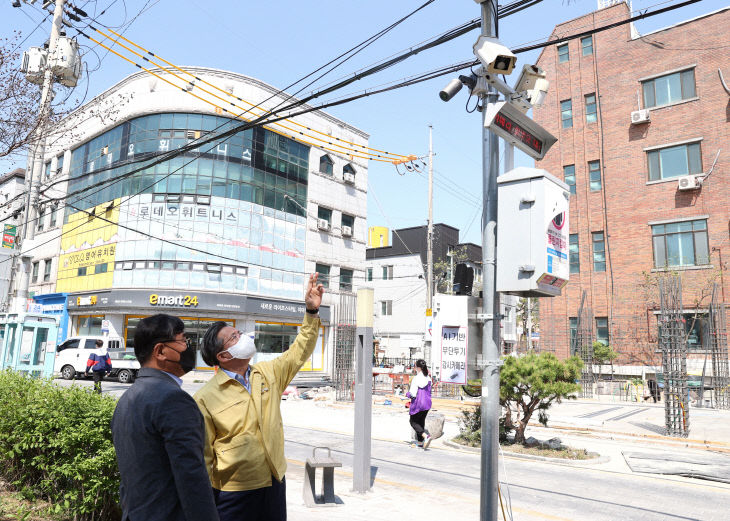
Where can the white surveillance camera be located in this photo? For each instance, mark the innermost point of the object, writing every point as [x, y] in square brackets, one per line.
[496, 58]
[532, 80]
[450, 90]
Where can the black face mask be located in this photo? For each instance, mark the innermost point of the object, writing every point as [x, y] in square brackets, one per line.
[187, 359]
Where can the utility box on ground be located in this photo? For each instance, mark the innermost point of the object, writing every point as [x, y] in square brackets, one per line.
[455, 339]
[532, 233]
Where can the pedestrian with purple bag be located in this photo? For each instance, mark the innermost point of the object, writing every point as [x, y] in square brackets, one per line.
[420, 395]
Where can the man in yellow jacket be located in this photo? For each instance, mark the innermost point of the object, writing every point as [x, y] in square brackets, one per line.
[244, 447]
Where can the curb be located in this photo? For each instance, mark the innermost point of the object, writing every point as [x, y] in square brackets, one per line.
[562, 461]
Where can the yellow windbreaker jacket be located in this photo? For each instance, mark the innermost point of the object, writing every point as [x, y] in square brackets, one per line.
[244, 433]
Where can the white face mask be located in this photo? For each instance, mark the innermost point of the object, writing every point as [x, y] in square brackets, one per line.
[244, 348]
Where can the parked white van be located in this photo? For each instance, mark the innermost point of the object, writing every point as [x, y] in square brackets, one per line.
[71, 357]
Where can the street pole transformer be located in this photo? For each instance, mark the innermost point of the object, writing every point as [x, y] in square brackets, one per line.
[489, 360]
[35, 159]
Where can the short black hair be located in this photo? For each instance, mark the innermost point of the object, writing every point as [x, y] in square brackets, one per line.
[212, 345]
[99, 342]
[154, 330]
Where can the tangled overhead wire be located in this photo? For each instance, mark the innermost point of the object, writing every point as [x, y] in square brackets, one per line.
[411, 164]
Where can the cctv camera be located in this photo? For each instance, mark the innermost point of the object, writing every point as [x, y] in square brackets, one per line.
[450, 90]
[495, 57]
[532, 80]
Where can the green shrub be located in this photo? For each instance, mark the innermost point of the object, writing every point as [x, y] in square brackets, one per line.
[56, 443]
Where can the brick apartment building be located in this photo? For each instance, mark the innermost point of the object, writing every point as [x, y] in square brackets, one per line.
[630, 221]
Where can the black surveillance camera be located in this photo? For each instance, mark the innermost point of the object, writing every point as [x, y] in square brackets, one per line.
[16, 3]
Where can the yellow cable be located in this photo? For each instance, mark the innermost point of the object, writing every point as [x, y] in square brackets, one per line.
[351, 154]
[224, 109]
[240, 99]
[499, 493]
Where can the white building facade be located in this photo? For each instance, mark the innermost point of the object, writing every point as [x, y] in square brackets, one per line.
[228, 230]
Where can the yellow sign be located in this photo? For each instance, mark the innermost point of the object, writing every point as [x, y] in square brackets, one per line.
[86, 301]
[186, 301]
[88, 249]
[90, 257]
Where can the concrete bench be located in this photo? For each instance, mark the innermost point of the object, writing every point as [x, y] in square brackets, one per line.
[327, 464]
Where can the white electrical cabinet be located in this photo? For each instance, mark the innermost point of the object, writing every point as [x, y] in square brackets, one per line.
[455, 340]
[533, 259]
[34, 64]
[66, 61]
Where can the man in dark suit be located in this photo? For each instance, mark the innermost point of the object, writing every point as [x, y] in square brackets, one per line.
[158, 432]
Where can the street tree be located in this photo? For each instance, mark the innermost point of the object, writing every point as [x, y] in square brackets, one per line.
[19, 100]
[603, 353]
[533, 382]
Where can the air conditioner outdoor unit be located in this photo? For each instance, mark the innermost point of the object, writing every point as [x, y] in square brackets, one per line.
[347, 231]
[688, 182]
[323, 224]
[640, 116]
[349, 178]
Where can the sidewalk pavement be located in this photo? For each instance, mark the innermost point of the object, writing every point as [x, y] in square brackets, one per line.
[411, 501]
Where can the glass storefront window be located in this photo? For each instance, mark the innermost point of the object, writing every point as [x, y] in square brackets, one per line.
[89, 325]
[274, 338]
[195, 328]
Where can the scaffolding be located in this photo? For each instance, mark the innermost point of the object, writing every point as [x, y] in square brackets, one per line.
[673, 345]
[582, 345]
[718, 347]
[344, 343]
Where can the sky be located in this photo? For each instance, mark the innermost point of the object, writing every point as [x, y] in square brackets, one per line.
[281, 41]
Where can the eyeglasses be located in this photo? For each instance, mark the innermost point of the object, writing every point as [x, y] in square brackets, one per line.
[234, 336]
[179, 341]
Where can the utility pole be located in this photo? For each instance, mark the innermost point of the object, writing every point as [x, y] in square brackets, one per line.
[35, 158]
[490, 361]
[429, 237]
[529, 324]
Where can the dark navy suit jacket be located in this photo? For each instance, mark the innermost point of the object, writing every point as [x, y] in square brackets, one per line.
[158, 435]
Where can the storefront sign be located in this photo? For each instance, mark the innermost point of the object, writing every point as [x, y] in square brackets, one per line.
[88, 257]
[9, 236]
[174, 301]
[202, 301]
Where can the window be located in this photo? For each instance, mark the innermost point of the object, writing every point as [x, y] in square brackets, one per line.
[569, 176]
[325, 213]
[34, 276]
[574, 254]
[47, 264]
[587, 45]
[602, 330]
[81, 272]
[669, 89]
[386, 307]
[599, 252]
[348, 169]
[47, 169]
[59, 164]
[696, 326]
[100, 268]
[573, 326]
[348, 220]
[388, 272]
[590, 108]
[326, 166]
[324, 274]
[566, 113]
[370, 274]
[594, 175]
[680, 244]
[345, 280]
[563, 54]
[675, 161]
[54, 216]
[41, 219]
